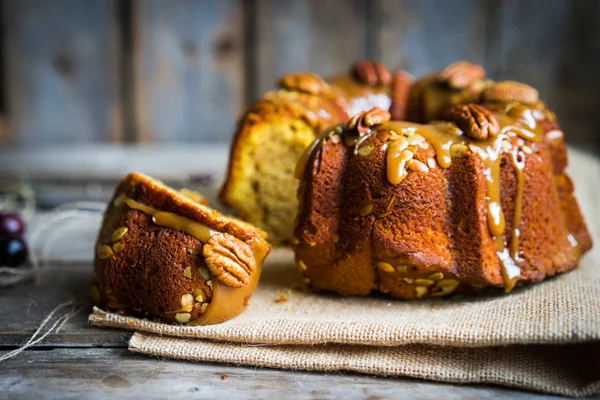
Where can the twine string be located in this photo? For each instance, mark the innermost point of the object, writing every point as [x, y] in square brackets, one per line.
[72, 307]
[47, 230]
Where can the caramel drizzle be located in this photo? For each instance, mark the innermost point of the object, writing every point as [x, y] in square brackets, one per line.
[396, 160]
[518, 166]
[515, 120]
[170, 220]
[509, 257]
[227, 302]
[319, 141]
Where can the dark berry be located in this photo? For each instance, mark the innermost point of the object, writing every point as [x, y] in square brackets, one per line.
[11, 225]
[13, 251]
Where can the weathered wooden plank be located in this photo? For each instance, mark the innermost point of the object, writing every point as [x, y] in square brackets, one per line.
[115, 373]
[324, 37]
[555, 47]
[188, 60]
[24, 306]
[91, 172]
[423, 36]
[62, 76]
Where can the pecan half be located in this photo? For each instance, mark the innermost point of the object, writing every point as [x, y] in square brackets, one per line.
[229, 259]
[304, 82]
[363, 122]
[475, 121]
[461, 74]
[401, 84]
[509, 91]
[372, 72]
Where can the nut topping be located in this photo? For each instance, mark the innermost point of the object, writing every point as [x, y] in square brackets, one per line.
[362, 122]
[436, 276]
[187, 299]
[385, 267]
[401, 84]
[364, 151]
[199, 295]
[118, 234]
[424, 282]
[417, 166]
[118, 247]
[510, 91]
[445, 287]
[182, 318]
[476, 121]
[304, 82]
[103, 252]
[461, 74]
[458, 149]
[372, 73]
[365, 210]
[421, 291]
[229, 259]
[453, 283]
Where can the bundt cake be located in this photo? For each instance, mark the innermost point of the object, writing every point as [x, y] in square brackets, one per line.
[165, 255]
[476, 198]
[276, 129]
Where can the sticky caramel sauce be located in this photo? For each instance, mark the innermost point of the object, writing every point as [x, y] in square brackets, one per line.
[227, 302]
[396, 159]
[516, 122]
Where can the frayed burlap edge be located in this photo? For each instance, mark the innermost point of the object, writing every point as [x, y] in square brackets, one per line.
[559, 370]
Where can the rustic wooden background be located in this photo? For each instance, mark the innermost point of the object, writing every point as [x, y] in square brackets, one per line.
[90, 71]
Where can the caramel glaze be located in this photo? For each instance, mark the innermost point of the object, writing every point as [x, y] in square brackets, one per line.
[227, 302]
[518, 123]
[519, 127]
[354, 97]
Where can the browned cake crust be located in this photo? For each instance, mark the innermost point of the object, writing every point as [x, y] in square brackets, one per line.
[161, 271]
[426, 226]
[305, 104]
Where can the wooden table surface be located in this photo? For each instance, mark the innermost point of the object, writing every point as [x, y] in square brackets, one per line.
[82, 361]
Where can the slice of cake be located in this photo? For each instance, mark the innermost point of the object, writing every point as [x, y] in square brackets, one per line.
[164, 254]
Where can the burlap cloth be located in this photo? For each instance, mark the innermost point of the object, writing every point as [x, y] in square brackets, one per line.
[544, 337]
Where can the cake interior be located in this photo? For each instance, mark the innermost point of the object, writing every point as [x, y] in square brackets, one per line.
[266, 196]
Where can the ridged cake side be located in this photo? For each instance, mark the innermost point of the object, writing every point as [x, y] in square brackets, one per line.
[411, 210]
